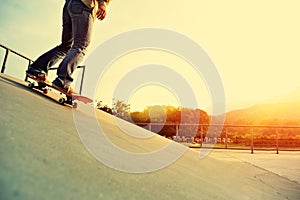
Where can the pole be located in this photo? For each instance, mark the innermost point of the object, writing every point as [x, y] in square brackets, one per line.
[82, 78]
[252, 145]
[4, 61]
[177, 132]
[277, 144]
[226, 138]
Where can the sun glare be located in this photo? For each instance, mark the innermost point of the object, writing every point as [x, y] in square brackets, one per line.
[150, 95]
[121, 81]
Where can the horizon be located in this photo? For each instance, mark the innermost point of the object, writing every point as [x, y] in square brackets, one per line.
[276, 102]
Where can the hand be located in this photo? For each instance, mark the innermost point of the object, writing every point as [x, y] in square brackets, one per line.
[101, 12]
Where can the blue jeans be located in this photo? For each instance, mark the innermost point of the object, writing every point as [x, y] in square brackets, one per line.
[77, 28]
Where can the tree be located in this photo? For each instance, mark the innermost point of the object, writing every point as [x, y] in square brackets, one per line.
[185, 117]
[103, 107]
[121, 109]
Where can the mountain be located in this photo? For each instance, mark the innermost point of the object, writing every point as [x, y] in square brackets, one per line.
[266, 114]
[283, 110]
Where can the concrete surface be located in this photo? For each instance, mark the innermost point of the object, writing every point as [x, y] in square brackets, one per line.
[285, 164]
[43, 157]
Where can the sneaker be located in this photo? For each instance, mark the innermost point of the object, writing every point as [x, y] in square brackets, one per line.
[62, 84]
[37, 73]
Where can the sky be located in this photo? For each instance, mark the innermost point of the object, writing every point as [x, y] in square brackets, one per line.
[254, 46]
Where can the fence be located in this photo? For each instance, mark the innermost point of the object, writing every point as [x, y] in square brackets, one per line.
[8, 51]
[242, 137]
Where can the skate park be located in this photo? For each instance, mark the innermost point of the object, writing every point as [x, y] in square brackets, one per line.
[54, 151]
[43, 157]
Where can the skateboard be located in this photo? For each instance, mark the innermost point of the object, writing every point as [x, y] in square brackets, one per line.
[45, 86]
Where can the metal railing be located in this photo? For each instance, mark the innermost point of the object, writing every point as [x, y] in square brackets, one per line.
[30, 61]
[7, 51]
[225, 135]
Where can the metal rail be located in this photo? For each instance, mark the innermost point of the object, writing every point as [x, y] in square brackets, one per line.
[224, 129]
[8, 50]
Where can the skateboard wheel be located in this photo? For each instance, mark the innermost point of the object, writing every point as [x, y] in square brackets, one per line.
[30, 85]
[61, 100]
[45, 91]
[74, 105]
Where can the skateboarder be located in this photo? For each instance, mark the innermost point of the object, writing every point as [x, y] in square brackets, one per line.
[78, 19]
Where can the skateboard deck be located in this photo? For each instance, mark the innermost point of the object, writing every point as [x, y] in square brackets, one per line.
[69, 98]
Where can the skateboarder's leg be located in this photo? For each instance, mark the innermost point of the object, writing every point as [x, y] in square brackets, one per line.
[82, 24]
[50, 58]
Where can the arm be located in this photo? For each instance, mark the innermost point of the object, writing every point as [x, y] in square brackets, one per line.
[101, 12]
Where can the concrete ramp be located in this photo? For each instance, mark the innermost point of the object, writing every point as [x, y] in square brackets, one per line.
[45, 154]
